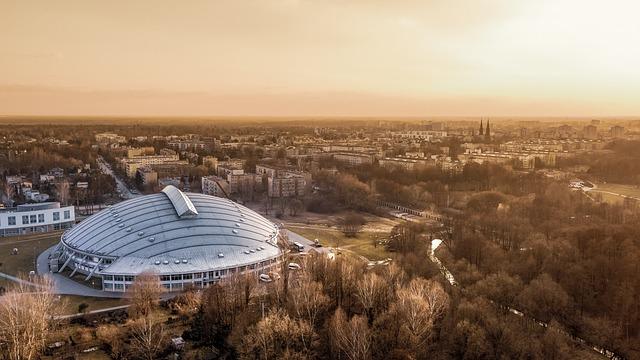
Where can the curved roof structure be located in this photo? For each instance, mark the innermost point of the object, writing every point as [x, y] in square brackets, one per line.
[172, 232]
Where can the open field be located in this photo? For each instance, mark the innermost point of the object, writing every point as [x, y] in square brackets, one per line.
[29, 247]
[362, 245]
[615, 193]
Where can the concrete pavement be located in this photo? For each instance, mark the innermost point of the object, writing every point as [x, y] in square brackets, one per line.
[65, 286]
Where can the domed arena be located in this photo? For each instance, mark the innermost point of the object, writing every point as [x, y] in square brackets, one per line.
[187, 239]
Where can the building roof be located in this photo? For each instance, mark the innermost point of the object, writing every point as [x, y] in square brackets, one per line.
[174, 231]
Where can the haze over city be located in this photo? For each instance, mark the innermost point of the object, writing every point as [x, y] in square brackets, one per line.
[320, 58]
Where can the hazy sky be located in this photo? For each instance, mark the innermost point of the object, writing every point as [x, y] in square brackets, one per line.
[325, 57]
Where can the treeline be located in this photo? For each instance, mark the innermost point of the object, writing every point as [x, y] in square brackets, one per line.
[620, 165]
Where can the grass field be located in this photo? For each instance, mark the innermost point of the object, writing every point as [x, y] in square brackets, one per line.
[72, 302]
[363, 244]
[615, 193]
[29, 247]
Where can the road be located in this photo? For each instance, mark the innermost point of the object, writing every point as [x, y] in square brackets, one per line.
[308, 244]
[123, 189]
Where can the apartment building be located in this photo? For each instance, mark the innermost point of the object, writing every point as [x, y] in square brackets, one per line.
[354, 159]
[216, 186]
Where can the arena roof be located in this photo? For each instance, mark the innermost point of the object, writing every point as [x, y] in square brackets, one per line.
[172, 232]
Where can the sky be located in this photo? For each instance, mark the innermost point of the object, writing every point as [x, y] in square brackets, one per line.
[320, 57]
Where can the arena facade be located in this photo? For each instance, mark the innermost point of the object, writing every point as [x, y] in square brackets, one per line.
[187, 239]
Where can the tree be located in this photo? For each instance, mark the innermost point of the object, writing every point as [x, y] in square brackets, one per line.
[295, 207]
[112, 336]
[501, 288]
[26, 318]
[8, 192]
[144, 294]
[419, 305]
[351, 337]
[544, 298]
[372, 291]
[148, 336]
[307, 298]
[62, 188]
[351, 224]
[278, 336]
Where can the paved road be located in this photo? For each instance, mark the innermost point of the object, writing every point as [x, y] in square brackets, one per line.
[15, 279]
[122, 187]
[308, 243]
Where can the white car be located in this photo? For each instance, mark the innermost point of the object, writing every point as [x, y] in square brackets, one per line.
[294, 266]
[265, 278]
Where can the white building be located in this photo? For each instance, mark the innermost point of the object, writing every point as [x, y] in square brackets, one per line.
[34, 218]
[186, 239]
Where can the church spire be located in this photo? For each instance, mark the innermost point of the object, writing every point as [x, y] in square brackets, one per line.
[487, 132]
[481, 129]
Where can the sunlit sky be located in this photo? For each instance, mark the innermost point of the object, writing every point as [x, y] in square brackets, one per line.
[324, 57]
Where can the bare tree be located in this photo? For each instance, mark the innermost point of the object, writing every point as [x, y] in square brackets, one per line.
[26, 318]
[112, 336]
[62, 188]
[8, 192]
[395, 277]
[145, 293]
[148, 336]
[278, 336]
[307, 298]
[352, 224]
[419, 305]
[295, 207]
[351, 337]
[372, 293]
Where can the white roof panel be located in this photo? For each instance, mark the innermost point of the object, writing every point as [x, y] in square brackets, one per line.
[180, 201]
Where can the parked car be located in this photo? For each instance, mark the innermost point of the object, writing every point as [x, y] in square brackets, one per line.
[294, 266]
[265, 278]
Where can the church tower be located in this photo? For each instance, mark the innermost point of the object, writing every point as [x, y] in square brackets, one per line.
[487, 132]
[481, 129]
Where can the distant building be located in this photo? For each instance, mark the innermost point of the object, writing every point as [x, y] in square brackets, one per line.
[405, 162]
[590, 132]
[616, 131]
[82, 185]
[147, 176]
[131, 165]
[354, 159]
[216, 186]
[289, 185]
[283, 182]
[33, 195]
[35, 218]
[243, 183]
[110, 138]
[143, 151]
[425, 135]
